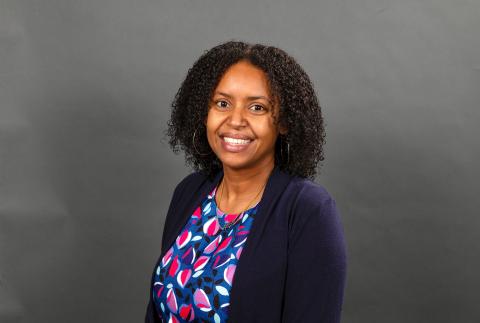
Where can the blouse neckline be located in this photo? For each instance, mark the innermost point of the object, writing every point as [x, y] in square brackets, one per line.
[220, 212]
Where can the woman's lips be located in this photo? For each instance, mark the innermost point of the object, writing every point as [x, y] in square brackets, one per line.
[234, 145]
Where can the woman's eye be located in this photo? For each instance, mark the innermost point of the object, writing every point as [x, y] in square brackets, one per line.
[222, 104]
[258, 108]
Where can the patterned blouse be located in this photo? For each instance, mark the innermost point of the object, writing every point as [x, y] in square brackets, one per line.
[195, 276]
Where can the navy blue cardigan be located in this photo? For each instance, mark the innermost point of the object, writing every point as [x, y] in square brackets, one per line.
[293, 265]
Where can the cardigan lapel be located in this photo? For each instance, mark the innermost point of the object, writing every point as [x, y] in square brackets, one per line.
[195, 194]
[276, 185]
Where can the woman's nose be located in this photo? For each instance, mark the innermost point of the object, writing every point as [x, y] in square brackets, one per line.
[237, 119]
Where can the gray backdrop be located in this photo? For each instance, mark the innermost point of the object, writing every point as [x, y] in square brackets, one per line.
[86, 175]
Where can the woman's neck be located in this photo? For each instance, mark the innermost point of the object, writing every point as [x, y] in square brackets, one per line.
[241, 189]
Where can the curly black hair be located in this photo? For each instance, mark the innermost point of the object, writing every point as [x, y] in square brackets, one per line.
[299, 110]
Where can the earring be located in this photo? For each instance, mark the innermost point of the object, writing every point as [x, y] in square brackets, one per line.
[194, 147]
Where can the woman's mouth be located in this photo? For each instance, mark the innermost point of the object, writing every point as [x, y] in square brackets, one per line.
[235, 145]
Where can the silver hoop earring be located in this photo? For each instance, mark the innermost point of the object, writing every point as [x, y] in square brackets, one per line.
[194, 147]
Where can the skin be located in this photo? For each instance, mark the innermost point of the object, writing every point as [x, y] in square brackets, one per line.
[242, 104]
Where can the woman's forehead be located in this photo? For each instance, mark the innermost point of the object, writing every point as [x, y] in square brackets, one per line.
[245, 81]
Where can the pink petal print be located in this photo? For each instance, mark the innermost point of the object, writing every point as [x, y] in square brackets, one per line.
[221, 260]
[200, 263]
[189, 256]
[212, 245]
[201, 300]
[231, 217]
[239, 252]
[228, 274]
[197, 214]
[223, 245]
[211, 226]
[173, 319]
[186, 312]
[183, 277]
[174, 266]
[167, 257]
[159, 288]
[183, 239]
[172, 301]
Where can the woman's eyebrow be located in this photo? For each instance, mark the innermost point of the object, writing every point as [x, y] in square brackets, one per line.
[256, 97]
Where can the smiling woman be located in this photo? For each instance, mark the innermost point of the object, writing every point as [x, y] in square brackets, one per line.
[269, 247]
[240, 122]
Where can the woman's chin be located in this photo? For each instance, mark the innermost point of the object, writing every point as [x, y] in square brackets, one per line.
[236, 164]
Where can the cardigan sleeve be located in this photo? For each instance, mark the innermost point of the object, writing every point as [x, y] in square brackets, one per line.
[316, 270]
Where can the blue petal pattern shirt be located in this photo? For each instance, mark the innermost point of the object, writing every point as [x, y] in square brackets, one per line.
[193, 279]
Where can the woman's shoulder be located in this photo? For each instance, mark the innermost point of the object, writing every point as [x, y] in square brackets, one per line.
[191, 180]
[315, 217]
[196, 176]
[310, 193]
[312, 204]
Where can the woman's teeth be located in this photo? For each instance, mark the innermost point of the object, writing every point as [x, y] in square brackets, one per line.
[235, 141]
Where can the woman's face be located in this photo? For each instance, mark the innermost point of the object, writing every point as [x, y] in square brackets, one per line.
[240, 124]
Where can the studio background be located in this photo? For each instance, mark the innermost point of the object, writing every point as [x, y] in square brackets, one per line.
[86, 175]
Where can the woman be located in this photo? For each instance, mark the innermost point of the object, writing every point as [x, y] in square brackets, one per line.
[249, 237]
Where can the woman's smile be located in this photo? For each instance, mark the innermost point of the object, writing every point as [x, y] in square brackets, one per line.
[235, 145]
